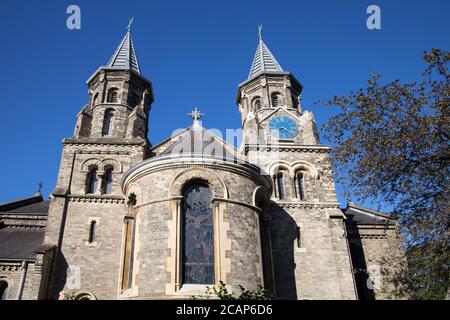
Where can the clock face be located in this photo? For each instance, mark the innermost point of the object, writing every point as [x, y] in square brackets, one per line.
[283, 128]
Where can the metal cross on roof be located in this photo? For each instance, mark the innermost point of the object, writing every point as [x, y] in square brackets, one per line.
[129, 24]
[195, 114]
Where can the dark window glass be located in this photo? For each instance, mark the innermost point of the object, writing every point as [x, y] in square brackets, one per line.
[107, 187]
[112, 95]
[3, 287]
[257, 104]
[92, 181]
[275, 101]
[198, 235]
[279, 180]
[108, 122]
[301, 186]
[92, 231]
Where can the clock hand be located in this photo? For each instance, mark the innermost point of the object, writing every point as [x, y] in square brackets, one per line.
[287, 131]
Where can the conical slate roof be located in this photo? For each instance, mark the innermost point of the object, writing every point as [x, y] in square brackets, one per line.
[125, 56]
[264, 61]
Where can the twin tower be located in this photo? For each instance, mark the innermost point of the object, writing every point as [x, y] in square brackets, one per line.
[131, 220]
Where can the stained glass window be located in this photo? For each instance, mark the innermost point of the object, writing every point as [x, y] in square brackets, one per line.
[198, 235]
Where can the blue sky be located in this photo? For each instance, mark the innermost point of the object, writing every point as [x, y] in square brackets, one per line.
[195, 53]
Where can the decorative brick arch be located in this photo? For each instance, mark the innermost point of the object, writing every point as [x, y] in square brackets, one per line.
[88, 163]
[305, 166]
[218, 187]
[275, 167]
[114, 163]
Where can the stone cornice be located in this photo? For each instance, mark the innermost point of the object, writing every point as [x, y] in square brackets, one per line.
[10, 265]
[308, 205]
[96, 199]
[170, 163]
[104, 141]
[286, 147]
[23, 217]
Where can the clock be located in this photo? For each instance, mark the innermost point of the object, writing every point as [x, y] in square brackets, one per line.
[283, 128]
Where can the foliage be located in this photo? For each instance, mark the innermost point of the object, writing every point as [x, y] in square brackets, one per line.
[393, 147]
[221, 292]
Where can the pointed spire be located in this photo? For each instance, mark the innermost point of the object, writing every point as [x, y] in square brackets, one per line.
[125, 56]
[264, 60]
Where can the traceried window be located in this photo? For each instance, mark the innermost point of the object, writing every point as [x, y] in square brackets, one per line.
[280, 185]
[3, 289]
[300, 184]
[92, 181]
[198, 235]
[107, 182]
[108, 123]
[92, 231]
[112, 95]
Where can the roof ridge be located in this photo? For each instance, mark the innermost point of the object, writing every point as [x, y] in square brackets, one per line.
[5, 206]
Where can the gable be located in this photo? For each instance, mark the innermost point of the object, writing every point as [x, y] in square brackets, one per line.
[196, 141]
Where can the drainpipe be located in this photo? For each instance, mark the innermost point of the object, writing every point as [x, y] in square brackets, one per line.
[23, 276]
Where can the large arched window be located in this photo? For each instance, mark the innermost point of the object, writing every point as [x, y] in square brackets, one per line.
[107, 181]
[198, 235]
[112, 95]
[3, 288]
[280, 185]
[108, 123]
[92, 181]
[300, 185]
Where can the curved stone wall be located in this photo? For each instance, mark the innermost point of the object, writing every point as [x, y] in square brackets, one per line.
[157, 185]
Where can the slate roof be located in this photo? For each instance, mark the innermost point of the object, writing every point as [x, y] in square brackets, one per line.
[196, 140]
[38, 209]
[20, 239]
[34, 205]
[20, 243]
[360, 215]
[125, 55]
[264, 61]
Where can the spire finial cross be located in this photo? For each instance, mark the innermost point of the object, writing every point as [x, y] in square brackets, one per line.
[39, 188]
[195, 114]
[130, 23]
[260, 32]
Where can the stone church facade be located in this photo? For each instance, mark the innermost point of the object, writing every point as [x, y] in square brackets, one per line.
[128, 220]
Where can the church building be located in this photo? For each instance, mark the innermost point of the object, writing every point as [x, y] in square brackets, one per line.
[132, 220]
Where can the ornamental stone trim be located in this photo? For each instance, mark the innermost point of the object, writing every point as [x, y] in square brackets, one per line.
[96, 199]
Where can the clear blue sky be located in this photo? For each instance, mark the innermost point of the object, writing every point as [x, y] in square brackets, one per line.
[196, 53]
